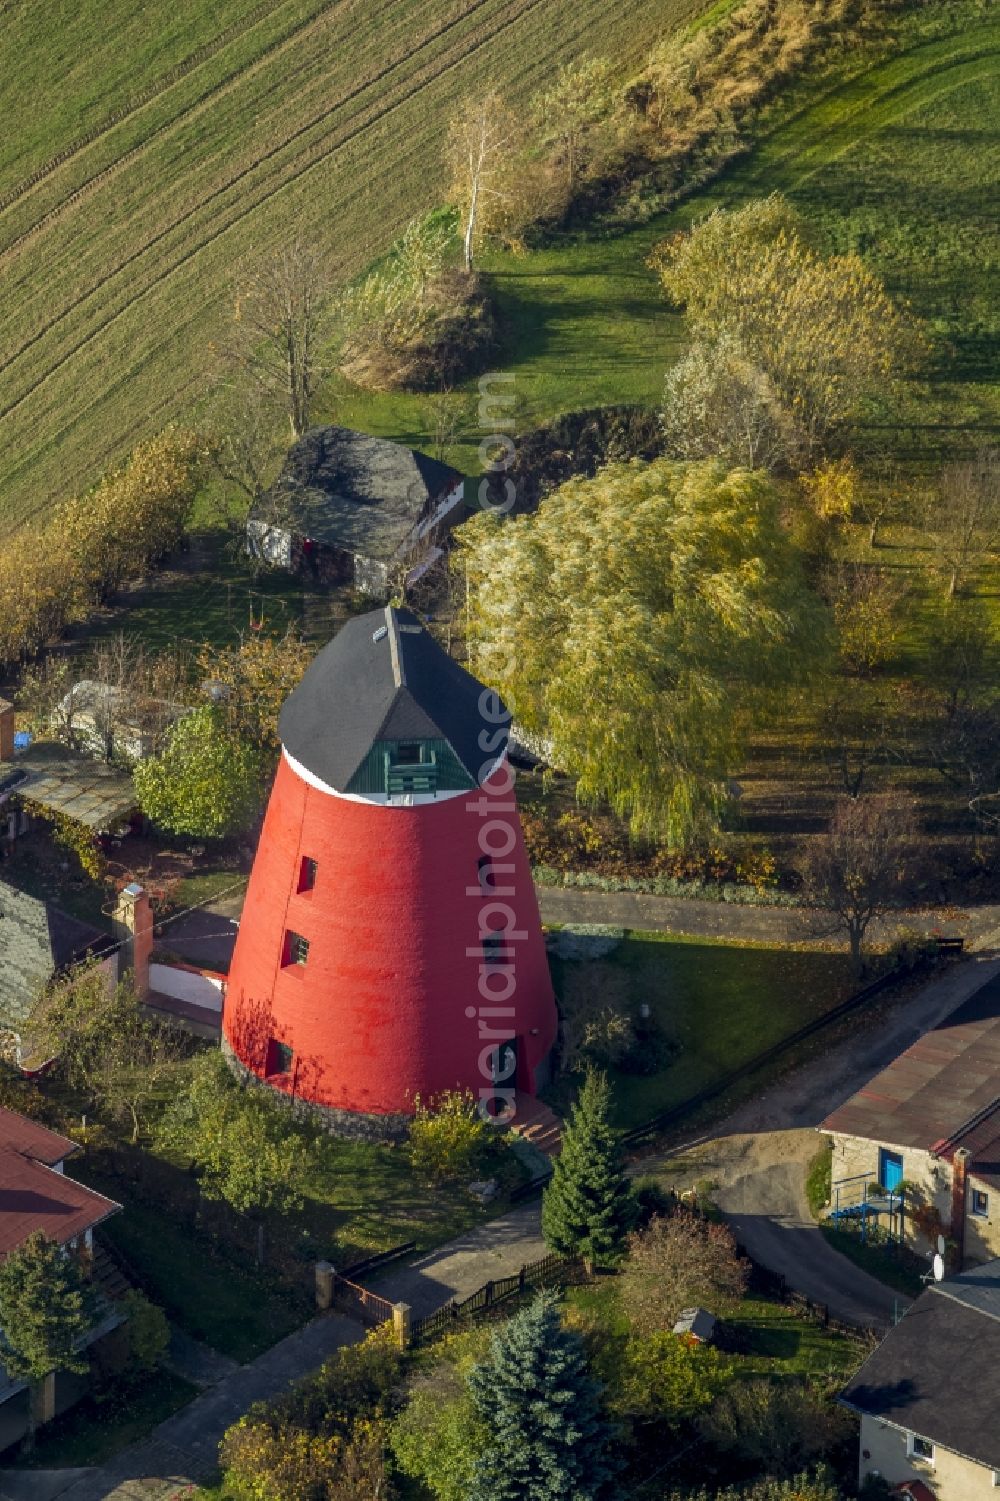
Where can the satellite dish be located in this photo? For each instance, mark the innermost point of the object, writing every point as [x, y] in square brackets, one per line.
[942, 1245]
[938, 1267]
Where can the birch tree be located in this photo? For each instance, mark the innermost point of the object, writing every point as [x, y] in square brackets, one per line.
[482, 143]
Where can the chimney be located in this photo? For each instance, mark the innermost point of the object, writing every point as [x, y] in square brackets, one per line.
[133, 923]
[959, 1172]
[6, 730]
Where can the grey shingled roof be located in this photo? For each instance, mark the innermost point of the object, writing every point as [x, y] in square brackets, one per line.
[401, 686]
[352, 491]
[935, 1374]
[36, 939]
[65, 781]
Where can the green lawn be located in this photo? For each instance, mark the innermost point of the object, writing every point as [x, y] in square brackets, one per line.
[236, 1311]
[363, 1199]
[899, 163]
[896, 161]
[722, 1003]
[896, 1266]
[582, 324]
[94, 1430]
[774, 1339]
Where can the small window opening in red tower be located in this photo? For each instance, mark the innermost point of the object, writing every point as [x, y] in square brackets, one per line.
[296, 948]
[486, 874]
[408, 753]
[307, 874]
[280, 1057]
[494, 949]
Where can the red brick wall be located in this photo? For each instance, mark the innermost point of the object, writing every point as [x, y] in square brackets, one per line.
[378, 1012]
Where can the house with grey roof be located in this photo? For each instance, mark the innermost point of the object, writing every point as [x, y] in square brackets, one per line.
[925, 1134]
[356, 510]
[927, 1396]
[38, 941]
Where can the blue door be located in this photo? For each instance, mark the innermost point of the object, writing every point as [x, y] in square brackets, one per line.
[890, 1169]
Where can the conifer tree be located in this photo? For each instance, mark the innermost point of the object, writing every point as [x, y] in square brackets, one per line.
[589, 1207]
[46, 1307]
[549, 1438]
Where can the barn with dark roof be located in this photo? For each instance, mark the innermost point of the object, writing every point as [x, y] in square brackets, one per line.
[349, 508]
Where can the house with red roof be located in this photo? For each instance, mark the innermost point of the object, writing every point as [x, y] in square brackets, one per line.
[929, 1125]
[37, 1195]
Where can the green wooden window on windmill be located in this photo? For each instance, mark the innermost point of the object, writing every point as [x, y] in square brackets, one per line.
[399, 767]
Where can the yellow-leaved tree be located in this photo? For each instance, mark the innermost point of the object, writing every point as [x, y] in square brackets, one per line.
[638, 622]
[822, 330]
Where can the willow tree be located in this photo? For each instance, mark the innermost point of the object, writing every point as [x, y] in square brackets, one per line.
[637, 622]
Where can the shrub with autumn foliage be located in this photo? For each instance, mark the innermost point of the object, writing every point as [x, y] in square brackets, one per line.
[680, 1261]
[323, 1441]
[54, 572]
[448, 1137]
[820, 331]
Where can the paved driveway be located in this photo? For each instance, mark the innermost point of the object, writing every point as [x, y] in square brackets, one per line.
[760, 1156]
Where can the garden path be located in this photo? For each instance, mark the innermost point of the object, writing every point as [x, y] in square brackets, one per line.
[206, 936]
[701, 918]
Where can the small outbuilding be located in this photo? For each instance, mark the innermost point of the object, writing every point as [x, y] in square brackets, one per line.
[356, 510]
[697, 1323]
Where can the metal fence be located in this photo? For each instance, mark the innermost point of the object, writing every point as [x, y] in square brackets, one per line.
[359, 1303]
[550, 1271]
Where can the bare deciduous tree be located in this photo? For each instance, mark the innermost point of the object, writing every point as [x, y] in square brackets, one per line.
[247, 450]
[861, 731]
[281, 312]
[857, 869]
[964, 517]
[447, 415]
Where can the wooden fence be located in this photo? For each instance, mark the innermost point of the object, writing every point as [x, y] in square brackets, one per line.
[550, 1271]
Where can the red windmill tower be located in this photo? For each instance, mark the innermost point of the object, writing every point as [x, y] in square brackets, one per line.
[390, 945]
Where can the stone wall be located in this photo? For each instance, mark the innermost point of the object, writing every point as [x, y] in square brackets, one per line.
[854, 1155]
[346, 1123]
[982, 1233]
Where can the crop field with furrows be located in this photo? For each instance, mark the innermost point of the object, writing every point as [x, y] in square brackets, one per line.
[153, 149]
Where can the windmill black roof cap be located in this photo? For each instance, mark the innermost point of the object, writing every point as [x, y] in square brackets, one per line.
[384, 677]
